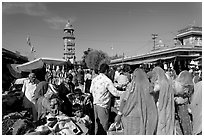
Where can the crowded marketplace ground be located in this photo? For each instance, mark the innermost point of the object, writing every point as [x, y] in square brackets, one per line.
[110, 100]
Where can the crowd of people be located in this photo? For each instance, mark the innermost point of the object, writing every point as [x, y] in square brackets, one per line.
[157, 102]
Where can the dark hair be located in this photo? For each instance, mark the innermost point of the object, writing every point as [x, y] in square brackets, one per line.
[96, 71]
[126, 68]
[53, 96]
[77, 91]
[103, 68]
[70, 76]
[48, 76]
[76, 107]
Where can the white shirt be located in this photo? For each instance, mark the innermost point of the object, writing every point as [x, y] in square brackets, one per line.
[29, 88]
[102, 88]
[122, 79]
[87, 76]
[116, 75]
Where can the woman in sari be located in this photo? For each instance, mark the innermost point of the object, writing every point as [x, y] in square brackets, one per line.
[137, 108]
[196, 109]
[183, 86]
[165, 103]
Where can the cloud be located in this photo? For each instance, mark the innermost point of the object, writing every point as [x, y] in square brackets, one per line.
[36, 9]
[57, 22]
[32, 9]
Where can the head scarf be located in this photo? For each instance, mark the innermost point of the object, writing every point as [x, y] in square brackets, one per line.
[166, 109]
[186, 80]
[140, 96]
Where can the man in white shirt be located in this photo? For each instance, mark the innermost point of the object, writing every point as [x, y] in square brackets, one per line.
[102, 89]
[28, 90]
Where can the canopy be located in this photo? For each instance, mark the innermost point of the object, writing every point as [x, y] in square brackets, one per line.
[14, 72]
[40, 62]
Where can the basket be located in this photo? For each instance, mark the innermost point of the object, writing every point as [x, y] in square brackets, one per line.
[115, 129]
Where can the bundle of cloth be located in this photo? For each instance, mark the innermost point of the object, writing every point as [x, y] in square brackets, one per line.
[60, 125]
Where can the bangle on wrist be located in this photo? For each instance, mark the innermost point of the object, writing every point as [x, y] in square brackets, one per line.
[119, 113]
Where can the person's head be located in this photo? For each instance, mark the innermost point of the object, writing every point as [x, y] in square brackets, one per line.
[70, 77]
[118, 69]
[48, 76]
[156, 86]
[70, 71]
[55, 104]
[104, 68]
[79, 69]
[32, 77]
[126, 68]
[79, 82]
[77, 110]
[139, 75]
[95, 71]
[78, 91]
[169, 69]
[184, 82]
[88, 71]
[158, 76]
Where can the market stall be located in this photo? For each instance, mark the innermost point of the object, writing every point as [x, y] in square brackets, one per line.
[40, 63]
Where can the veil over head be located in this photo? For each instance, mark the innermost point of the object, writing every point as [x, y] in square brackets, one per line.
[166, 109]
[140, 97]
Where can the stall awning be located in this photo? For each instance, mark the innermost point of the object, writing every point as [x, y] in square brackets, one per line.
[141, 61]
[40, 62]
[166, 58]
[189, 56]
[150, 60]
[14, 72]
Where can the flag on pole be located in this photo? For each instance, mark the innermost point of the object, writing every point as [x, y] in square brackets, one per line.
[29, 43]
[28, 40]
[32, 49]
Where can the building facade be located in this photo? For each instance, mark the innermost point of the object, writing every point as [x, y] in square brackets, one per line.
[187, 46]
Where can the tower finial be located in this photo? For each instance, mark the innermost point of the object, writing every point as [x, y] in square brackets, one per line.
[68, 23]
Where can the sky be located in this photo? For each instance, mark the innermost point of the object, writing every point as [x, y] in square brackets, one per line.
[113, 27]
